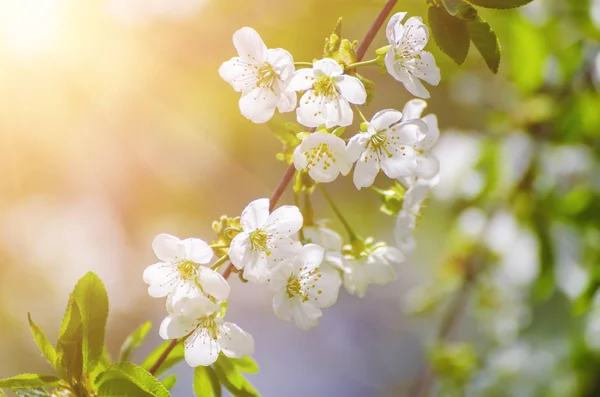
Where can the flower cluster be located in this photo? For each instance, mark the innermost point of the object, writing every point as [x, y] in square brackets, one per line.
[303, 263]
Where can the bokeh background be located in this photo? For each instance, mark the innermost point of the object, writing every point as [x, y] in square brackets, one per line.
[115, 126]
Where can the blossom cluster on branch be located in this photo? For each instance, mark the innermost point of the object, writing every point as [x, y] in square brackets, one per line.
[302, 261]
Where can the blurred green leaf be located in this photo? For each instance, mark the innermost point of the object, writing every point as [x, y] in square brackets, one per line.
[92, 300]
[245, 364]
[135, 374]
[42, 342]
[121, 387]
[206, 383]
[503, 4]
[134, 340]
[169, 381]
[176, 356]
[450, 34]
[486, 42]
[229, 376]
[28, 381]
[68, 348]
[528, 53]
[31, 393]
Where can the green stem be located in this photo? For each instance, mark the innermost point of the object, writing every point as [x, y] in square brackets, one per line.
[362, 116]
[297, 203]
[219, 262]
[363, 63]
[338, 213]
[303, 64]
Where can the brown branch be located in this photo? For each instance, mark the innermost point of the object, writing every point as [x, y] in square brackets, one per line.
[289, 173]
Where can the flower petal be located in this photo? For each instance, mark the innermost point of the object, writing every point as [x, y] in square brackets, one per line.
[282, 61]
[258, 105]
[197, 251]
[394, 29]
[255, 215]
[356, 145]
[415, 87]
[196, 305]
[213, 283]
[309, 257]
[166, 247]
[257, 269]
[311, 110]
[285, 220]
[384, 119]
[302, 80]
[326, 238]
[415, 35]
[234, 341]
[328, 67]
[175, 326]
[432, 135]
[239, 250]
[338, 112]
[249, 45]
[402, 163]
[282, 305]
[280, 276]
[413, 109]
[326, 288]
[233, 72]
[162, 279]
[305, 315]
[282, 248]
[201, 349]
[351, 89]
[366, 170]
[428, 166]
[287, 101]
[380, 272]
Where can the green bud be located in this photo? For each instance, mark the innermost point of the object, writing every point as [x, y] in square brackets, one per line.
[454, 363]
[364, 126]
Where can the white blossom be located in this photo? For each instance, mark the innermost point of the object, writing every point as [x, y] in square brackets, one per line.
[328, 95]
[405, 60]
[373, 266]
[406, 221]
[261, 75]
[428, 165]
[181, 272]
[330, 241]
[207, 334]
[302, 288]
[324, 155]
[265, 239]
[388, 144]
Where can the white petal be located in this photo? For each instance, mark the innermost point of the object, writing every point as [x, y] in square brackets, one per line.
[196, 306]
[432, 135]
[413, 109]
[426, 69]
[285, 220]
[282, 248]
[366, 170]
[328, 67]
[299, 159]
[249, 45]
[232, 72]
[383, 119]
[255, 215]
[381, 273]
[258, 105]
[201, 349]
[326, 288]
[302, 80]
[402, 163]
[326, 238]
[405, 224]
[415, 87]
[282, 305]
[287, 101]
[162, 279]
[197, 250]
[182, 293]
[335, 260]
[391, 254]
[213, 283]
[305, 315]
[394, 29]
[320, 174]
[282, 61]
[310, 256]
[356, 146]
[338, 112]
[428, 166]
[352, 89]
[239, 250]
[311, 110]
[257, 270]
[280, 276]
[393, 68]
[166, 247]
[175, 326]
[415, 35]
[234, 341]
[356, 280]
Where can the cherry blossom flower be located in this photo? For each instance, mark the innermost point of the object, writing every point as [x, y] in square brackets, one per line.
[324, 155]
[331, 242]
[388, 144]
[405, 60]
[181, 272]
[265, 239]
[302, 288]
[261, 75]
[328, 95]
[428, 165]
[199, 321]
[373, 266]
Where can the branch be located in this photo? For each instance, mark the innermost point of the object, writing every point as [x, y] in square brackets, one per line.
[289, 173]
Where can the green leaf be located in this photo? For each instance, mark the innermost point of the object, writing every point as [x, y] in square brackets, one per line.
[92, 300]
[486, 42]
[459, 9]
[169, 381]
[31, 393]
[206, 383]
[503, 4]
[28, 381]
[450, 34]
[245, 364]
[134, 340]
[68, 348]
[233, 381]
[119, 387]
[42, 342]
[173, 358]
[527, 54]
[135, 374]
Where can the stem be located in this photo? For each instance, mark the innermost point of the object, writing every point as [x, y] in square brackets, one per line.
[303, 64]
[297, 203]
[362, 116]
[219, 262]
[289, 173]
[363, 63]
[338, 213]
